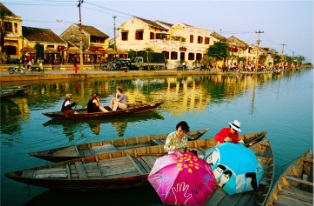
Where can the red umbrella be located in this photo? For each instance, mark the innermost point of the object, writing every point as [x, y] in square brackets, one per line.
[182, 178]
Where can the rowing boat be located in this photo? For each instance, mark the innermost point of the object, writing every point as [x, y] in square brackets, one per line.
[295, 185]
[109, 171]
[8, 91]
[264, 154]
[96, 148]
[134, 108]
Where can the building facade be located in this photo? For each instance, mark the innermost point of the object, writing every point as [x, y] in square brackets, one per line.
[179, 42]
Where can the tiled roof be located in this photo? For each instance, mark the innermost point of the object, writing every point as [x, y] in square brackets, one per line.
[237, 41]
[219, 37]
[151, 23]
[165, 23]
[4, 11]
[40, 35]
[93, 31]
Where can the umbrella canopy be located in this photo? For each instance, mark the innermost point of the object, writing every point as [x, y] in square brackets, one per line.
[51, 51]
[86, 51]
[182, 178]
[110, 51]
[73, 50]
[236, 168]
[28, 49]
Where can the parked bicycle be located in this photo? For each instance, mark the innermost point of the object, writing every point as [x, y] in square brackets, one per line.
[16, 69]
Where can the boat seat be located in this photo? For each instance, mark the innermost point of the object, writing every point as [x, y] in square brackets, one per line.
[103, 149]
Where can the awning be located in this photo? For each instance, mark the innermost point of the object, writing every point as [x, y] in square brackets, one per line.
[28, 49]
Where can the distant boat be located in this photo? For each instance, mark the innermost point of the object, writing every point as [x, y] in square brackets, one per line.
[8, 91]
[253, 72]
[134, 108]
[295, 185]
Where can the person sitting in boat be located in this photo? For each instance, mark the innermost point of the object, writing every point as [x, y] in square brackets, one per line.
[229, 134]
[67, 105]
[94, 104]
[178, 140]
[119, 101]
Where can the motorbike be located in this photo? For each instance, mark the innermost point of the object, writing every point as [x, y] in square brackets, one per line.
[16, 69]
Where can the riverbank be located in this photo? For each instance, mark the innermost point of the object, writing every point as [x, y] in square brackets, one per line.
[93, 73]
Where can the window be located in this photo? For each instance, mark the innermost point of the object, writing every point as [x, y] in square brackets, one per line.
[8, 27]
[152, 35]
[191, 38]
[166, 53]
[200, 39]
[206, 40]
[174, 55]
[139, 35]
[124, 36]
[16, 28]
[191, 56]
[198, 56]
[159, 36]
[11, 50]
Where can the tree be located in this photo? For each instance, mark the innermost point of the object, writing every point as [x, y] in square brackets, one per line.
[39, 50]
[219, 51]
[148, 55]
[262, 59]
[277, 59]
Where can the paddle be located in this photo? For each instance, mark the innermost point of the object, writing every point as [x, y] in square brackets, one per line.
[254, 141]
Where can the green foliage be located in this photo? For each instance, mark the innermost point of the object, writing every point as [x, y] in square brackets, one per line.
[262, 59]
[219, 51]
[39, 50]
[277, 59]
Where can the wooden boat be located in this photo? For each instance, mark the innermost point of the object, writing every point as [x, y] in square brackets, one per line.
[253, 72]
[8, 91]
[117, 170]
[295, 185]
[134, 108]
[264, 153]
[95, 148]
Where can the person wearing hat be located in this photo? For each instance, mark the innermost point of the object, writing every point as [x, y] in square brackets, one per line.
[229, 134]
[67, 105]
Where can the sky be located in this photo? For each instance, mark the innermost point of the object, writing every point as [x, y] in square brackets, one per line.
[285, 26]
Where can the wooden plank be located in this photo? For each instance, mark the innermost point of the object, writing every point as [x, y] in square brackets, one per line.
[28, 173]
[80, 170]
[135, 165]
[103, 149]
[296, 193]
[68, 171]
[156, 141]
[299, 180]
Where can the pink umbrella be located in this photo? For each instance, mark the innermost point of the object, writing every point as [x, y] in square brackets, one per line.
[182, 178]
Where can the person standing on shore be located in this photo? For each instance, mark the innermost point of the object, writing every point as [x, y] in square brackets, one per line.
[75, 66]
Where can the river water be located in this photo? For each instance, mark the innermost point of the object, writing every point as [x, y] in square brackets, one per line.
[281, 104]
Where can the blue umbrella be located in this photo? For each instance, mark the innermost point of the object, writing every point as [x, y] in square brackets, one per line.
[236, 168]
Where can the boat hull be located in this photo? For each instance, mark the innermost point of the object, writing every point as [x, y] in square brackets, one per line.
[83, 114]
[94, 148]
[130, 168]
[295, 185]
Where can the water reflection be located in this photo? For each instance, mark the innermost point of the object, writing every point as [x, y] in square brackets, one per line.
[180, 94]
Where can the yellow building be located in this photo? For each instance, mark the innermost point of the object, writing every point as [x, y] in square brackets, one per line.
[179, 42]
[12, 39]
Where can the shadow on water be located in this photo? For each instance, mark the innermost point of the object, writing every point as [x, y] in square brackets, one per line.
[119, 123]
[137, 196]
